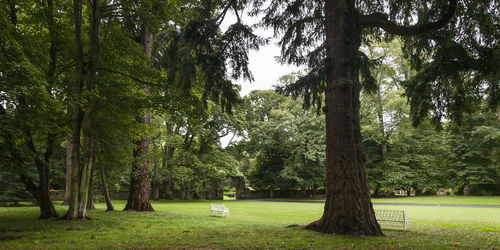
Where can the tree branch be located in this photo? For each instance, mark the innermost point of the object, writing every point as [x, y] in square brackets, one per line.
[381, 20]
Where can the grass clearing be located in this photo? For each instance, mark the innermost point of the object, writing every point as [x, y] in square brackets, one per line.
[187, 224]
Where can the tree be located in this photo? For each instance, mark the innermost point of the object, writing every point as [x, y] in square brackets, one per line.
[105, 92]
[82, 117]
[284, 141]
[32, 93]
[472, 149]
[327, 36]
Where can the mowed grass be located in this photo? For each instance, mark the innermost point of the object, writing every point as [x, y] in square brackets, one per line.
[251, 225]
[462, 200]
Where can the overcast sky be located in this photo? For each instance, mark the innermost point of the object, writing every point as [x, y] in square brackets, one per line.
[262, 63]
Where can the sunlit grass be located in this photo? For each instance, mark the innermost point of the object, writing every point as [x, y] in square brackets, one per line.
[187, 224]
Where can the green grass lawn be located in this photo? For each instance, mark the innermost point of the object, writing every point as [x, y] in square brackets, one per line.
[463, 200]
[187, 224]
[457, 200]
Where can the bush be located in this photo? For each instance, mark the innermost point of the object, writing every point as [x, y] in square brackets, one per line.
[429, 191]
[459, 189]
[485, 189]
[99, 198]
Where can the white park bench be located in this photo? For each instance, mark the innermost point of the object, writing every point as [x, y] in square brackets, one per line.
[396, 218]
[216, 209]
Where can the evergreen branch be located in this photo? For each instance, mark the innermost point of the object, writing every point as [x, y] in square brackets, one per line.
[381, 20]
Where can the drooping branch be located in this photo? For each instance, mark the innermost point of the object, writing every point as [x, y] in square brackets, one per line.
[381, 20]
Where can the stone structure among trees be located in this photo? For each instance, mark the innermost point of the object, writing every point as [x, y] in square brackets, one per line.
[242, 192]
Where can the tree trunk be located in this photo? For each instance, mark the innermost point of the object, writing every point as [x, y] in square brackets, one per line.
[139, 192]
[167, 154]
[170, 185]
[156, 179]
[375, 192]
[271, 192]
[348, 209]
[47, 209]
[380, 116]
[105, 191]
[91, 202]
[138, 198]
[69, 147]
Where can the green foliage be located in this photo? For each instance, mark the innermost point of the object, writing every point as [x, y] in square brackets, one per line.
[285, 143]
[194, 53]
[473, 154]
[457, 67]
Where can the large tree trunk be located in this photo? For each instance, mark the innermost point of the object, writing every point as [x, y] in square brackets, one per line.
[138, 196]
[348, 208]
[69, 152]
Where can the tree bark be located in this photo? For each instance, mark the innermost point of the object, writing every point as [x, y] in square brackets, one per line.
[375, 192]
[169, 185]
[156, 179]
[69, 152]
[47, 209]
[91, 202]
[105, 191]
[139, 191]
[380, 116]
[348, 209]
